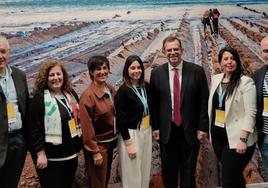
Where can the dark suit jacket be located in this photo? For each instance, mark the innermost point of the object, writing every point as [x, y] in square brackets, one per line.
[259, 77]
[194, 101]
[20, 83]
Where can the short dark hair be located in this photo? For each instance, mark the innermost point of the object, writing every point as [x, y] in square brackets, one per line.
[170, 38]
[95, 62]
[235, 78]
[128, 63]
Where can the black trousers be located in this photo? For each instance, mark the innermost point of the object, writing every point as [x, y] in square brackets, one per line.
[207, 22]
[16, 153]
[58, 174]
[215, 26]
[178, 158]
[233, 163]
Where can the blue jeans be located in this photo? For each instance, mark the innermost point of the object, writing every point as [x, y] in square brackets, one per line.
[264, 153]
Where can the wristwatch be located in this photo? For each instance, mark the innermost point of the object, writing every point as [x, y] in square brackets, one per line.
[243, 139]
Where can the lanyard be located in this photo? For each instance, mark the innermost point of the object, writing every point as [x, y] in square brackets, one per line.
[221, 95]
[142, 97]
[265, 85]
[109, 94]
[66, 106]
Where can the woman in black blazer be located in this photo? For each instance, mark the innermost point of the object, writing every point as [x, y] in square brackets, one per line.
[133, 121]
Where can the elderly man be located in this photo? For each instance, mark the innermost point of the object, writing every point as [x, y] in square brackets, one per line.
[261, 80]
[179, 114]
[13, 102]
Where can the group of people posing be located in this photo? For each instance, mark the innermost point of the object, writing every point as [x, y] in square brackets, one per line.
[175, 108]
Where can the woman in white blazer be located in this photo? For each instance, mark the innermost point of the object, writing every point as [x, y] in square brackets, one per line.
[232, 110]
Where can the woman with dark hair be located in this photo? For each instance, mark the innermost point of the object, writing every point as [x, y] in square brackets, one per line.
[232, 110]
[133, 121]
[97, 122]
[54, 133]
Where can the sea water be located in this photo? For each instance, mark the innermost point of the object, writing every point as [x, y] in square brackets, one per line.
[111, 4]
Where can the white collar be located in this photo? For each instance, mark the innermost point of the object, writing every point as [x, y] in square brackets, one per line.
[179, 66]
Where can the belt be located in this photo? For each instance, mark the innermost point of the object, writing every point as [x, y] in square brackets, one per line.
[15, 132]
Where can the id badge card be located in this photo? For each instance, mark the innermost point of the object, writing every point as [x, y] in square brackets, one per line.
[11, 113]
[220, 118]
[72, 127]
[145, 122]
[265, 107]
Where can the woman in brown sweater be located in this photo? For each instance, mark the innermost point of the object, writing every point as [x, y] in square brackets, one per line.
[97, 122]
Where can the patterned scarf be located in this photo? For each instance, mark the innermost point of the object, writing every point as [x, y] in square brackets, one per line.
[53, 133]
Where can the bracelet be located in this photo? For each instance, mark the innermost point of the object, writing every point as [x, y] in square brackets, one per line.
[243, 139]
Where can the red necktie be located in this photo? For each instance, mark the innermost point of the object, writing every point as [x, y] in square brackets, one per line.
[176, 96]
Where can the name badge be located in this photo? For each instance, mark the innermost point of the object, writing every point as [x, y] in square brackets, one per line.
[11, 113]
[265, 107]
[220, 118]
[72, 127]
[145, 122]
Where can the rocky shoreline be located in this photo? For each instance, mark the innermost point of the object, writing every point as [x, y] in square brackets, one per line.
[118, 37]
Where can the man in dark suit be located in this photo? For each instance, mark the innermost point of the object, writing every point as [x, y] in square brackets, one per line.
[13, 102]
[261, 80]
[180, 114]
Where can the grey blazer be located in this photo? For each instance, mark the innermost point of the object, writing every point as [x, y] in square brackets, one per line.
[20, 83]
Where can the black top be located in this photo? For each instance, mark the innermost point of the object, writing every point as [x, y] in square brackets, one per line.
[36, 132]
[129, 109]
[218, 132]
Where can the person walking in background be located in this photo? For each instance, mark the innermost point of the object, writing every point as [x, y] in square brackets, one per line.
[215, 20]
[232, 111]
[98, 123]
[132, 104]
[206, 21]
[261, 80]
[210, 13]
[53, 127]
[14, 99]
[179, 114]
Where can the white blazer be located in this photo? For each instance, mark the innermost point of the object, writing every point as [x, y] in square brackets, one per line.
[240, 110]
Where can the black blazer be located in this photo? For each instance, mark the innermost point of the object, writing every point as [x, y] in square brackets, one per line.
[129, 109]
[259, 77]
[194, 101]
[36, 131]
[21, 87]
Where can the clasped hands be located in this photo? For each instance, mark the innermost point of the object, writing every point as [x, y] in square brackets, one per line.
[131, 148]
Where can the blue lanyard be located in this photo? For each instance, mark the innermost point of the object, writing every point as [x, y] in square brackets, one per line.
[66, 106]
[221, 96]
[109, 94]
[142, 97]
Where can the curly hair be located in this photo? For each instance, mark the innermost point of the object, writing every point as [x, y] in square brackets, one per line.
[42, 78]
